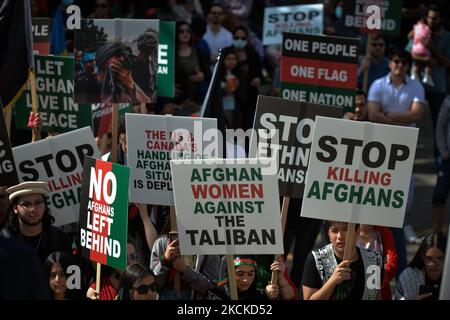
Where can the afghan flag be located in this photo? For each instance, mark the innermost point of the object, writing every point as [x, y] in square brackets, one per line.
[104, 212]
[16, 49]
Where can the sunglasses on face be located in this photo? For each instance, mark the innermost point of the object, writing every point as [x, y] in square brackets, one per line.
[431, 260]
[133, 256]
[27, 204]
[240, 38]
[144, 288]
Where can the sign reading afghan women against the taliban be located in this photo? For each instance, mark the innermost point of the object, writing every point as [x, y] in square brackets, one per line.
[359, 172]
[59, 161]
[152, 140]
[294, 122]
[319, 69]
[227, 206]
[104, 212]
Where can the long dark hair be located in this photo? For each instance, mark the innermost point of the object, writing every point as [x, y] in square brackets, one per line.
[13, 221]
[57, 257]
[433, 240]
[132, 276]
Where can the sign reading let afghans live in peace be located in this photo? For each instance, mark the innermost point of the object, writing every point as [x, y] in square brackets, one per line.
[104, 212]
[294, 123]
[54, 86]
[152, 140]
[59, 161]
[8, 174]
[357, 16]
[227, 206]
[359, 172]
[302, 19]
[319, 69]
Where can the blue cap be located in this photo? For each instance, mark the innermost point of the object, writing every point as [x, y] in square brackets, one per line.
[88, 57]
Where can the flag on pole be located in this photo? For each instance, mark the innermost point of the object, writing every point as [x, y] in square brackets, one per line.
[16, 49]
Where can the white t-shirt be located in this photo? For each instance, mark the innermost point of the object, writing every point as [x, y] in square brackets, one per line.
[222, 39]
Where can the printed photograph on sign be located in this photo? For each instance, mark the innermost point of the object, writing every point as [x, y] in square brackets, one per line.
[359, 172]
[117, 61]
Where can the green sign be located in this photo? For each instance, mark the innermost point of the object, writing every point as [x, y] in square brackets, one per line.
[54, 86]
[166, 59]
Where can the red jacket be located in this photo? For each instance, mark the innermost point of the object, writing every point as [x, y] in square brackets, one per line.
[390, 260]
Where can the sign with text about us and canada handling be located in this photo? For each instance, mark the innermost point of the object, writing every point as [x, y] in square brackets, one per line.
[227, 206]
[359, 172]
[301, 19]
[152, 141]
[54, 87]
[292, 123]
[8, 173]
[166, 59]
[362, 16]
[59, 161]
[104, 212]
[319, 69]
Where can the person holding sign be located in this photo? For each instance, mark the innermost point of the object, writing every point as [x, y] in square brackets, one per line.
[31, 222]
[422, 279]
[327, 276]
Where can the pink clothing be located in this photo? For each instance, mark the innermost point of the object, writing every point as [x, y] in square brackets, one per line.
[421, 31]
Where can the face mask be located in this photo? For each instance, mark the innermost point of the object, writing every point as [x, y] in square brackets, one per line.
[239, 43]
[338, 12]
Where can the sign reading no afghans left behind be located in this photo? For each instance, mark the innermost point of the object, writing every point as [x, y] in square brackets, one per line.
[227, 206]
[151, 142]
[319, 69]
[104, 212]
[59, 161]
[359, 172]
[294, 122]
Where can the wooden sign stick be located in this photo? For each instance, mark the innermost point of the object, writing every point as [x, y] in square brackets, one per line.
[173, 227]
[231, 277]
[8, 115]
[284, 211]
[350, 241]
[34, 103]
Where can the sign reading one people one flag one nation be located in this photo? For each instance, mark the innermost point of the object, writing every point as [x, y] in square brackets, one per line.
[359, 172]
[294, 123]
[104, 212]
[8, 173]
[152, 141]
[227, 206]
[54, 86]
[319, 69]
[41, 35]
[361, 16]
[302, 19]
[59, 161]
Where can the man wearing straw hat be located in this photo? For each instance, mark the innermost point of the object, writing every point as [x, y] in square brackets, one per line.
[30, 220]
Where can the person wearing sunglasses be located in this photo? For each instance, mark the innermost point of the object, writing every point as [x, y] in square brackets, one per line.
[138, 283]
[422, 279]
[375, 61]
[30, 220]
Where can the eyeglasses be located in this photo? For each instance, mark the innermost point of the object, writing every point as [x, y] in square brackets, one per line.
[217, 13]
[240, 38]
[398, 61]
[184, 31]
[133, 256]
[378, 44]
[431, 260]
[101, 5]
[143, 289]
[27, 205]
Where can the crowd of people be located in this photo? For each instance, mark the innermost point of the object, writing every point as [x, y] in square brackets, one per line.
[405, 75]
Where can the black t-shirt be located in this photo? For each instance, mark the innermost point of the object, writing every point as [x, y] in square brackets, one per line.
[433, 286]
[352, 289]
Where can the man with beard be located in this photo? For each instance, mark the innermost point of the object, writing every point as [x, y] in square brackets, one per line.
[30, 220]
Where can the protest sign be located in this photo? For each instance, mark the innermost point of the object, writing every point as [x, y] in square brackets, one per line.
[120, 59]
[359, 172]
[54, 86]
[8, 174]
[41, 35]
[319, 69]
[227, 206]
[294, 122]
[360, 17]
[302, 19]
[166, 59]
[104, 212]
[102, 115]
[59, 161]
[152, 141]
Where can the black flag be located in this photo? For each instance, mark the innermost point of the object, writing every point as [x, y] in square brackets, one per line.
[212, 105]
[16, 49]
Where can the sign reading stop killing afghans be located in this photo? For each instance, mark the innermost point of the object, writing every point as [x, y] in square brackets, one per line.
[319, 69]
[294, 122]
[59, 161]
[359, 16]
[227, 206]
[54, 86]
[104, 212]
[152, 140]
[301, 19]
[8, 174]
[359, 172]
